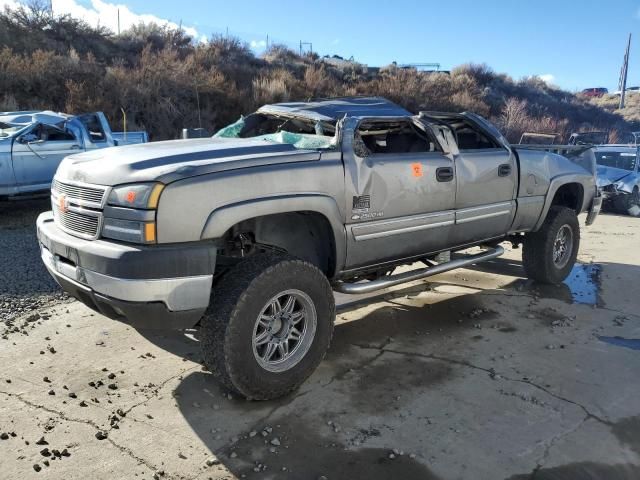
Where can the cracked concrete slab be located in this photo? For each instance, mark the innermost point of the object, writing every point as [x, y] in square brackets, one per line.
[476, 374]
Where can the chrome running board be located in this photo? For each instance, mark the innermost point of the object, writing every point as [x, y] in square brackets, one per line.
[391, 280]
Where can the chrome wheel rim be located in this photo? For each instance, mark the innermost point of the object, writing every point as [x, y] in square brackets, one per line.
[284, 330]
[563, 246]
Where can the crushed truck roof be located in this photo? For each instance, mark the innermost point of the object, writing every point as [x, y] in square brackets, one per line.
[333, 109]
[23, 118]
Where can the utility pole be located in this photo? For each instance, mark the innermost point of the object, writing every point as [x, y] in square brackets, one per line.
[308, 44]
[198, 104]
[118, 22]
[622, 85]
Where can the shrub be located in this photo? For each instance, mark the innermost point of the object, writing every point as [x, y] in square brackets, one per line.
[165, 81]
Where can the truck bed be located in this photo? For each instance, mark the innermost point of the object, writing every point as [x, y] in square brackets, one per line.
[129, 138]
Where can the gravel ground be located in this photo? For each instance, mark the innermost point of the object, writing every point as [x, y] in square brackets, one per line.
[25, 284]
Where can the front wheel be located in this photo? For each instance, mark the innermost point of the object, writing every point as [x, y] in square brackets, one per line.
[630, 203]
[549, 254]
[269, 325]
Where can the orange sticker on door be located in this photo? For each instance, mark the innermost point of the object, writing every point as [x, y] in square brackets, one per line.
[416, 168]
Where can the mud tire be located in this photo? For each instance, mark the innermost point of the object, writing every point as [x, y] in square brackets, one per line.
[538, 249]
[227, 328]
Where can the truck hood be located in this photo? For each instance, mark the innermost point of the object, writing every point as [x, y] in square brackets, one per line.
[609, 175]
[173, 160]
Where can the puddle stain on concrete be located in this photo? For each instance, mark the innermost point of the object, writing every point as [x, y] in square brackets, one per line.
[408, 321]
[627, 431]
[632, 343]
[305, 453]
[389, 383]
[582, 286]
[583, 471]
[584, 283]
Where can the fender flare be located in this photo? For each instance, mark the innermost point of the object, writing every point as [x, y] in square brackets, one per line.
[555, 184]
[223, 218]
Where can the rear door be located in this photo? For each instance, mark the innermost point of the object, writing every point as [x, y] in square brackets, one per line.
[400, 190]
[37, 154]
[487, 176]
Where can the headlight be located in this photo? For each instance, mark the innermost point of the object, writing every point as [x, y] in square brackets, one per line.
[129, 231]
[134, 220]
[136, 195]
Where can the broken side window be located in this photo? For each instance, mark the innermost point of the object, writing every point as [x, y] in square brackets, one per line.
[469, 137]
[51, 133]
[393, 137]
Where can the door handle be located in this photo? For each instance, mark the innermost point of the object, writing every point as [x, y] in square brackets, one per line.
[444, 174]
[504, 170]
[75, 147]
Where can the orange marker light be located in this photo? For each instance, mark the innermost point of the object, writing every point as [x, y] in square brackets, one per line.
[155, 195]
[150, 232]
[417, 169]
[131, 196]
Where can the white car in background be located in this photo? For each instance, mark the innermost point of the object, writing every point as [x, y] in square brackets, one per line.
[628, 91]
[619, 177]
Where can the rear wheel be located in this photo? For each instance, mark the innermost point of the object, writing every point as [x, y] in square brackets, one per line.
[269, 325]
[550, 253]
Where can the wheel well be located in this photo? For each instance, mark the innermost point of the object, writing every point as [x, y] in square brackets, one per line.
[305, 235]
[569, 195]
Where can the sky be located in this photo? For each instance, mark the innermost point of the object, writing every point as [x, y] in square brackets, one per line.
[572, 44]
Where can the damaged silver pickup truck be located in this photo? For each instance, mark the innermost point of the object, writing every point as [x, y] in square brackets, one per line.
[33, 143]
[250, 232]
[619, 177]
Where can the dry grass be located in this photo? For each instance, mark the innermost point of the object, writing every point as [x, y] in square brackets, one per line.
[158, 76]
[631, 110]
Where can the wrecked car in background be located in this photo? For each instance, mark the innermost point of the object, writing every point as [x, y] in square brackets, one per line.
[33, 143]
[619, 177]
[588, 138]
[534, 138]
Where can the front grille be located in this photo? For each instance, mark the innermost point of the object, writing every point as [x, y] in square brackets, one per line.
[77, 223]
[77, 208]
[81, 195]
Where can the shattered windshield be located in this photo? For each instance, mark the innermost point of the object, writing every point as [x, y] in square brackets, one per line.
[303, 133]
[7, 130]
[622, 160]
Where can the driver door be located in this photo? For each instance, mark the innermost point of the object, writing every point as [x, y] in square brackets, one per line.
[37, 154]
[400, 191]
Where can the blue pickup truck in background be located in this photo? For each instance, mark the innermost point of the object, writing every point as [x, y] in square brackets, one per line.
[33, 143]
